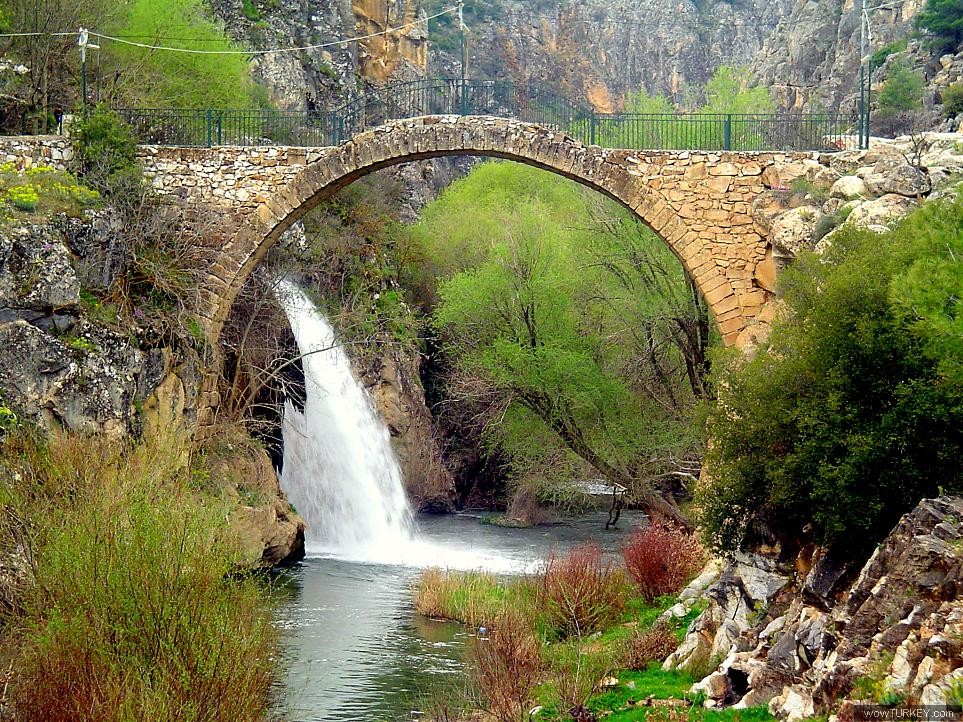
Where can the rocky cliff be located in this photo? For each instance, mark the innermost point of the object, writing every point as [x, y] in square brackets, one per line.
[68, 363]
[595, 50]
[822, 632]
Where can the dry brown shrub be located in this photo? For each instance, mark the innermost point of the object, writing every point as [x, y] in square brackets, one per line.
[582, 591]
[662, 558]
[650, 645]
[507, 667]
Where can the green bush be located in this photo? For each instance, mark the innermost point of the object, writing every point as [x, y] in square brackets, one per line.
[45, 190]
[953, 100]
[943, 19]
[24, 198]
[854, 411]
[184, 80]
[106, 150]
[902, 91]
[879, 57]
[136, 611]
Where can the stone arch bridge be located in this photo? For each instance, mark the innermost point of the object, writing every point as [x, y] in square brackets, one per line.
[699, 203]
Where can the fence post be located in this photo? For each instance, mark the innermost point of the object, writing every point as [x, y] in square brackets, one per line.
[592, 127]
[464, 97]
[220, 129]
[727, 133]
[210, 129]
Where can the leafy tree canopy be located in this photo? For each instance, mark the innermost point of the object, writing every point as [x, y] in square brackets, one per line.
[854, 411]
[943, 19]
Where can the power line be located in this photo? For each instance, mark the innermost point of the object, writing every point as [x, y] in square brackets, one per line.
[315, 46]
[122, 39]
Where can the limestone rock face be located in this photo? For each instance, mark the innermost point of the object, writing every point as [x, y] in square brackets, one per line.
[394, 383]
[810, 61]
[269, 532]
[831, 622]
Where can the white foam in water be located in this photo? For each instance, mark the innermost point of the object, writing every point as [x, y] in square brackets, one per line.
[339, 469]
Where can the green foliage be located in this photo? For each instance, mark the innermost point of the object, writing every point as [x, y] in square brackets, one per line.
[44, 190]
[250, 10]
[24, 198]
[535, 307]
[854, 411]
[953, 100]
[182, 80]
[107, 151]
[727, 92]
[8, 418]
[136, 610]
[943, 19]
[879, 57]
[902, 91]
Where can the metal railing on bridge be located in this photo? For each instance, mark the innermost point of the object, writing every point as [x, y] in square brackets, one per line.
[785, 131]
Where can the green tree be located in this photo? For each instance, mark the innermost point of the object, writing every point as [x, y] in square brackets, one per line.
[943, 19]
[902, 91]
[854, 411]
[569, 330]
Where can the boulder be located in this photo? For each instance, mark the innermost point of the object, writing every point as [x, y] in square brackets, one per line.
[268, 530]
[895, 175]
[879, 214]
[848, 187]
[793, 231]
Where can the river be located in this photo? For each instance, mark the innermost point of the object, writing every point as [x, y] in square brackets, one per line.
[354, 647]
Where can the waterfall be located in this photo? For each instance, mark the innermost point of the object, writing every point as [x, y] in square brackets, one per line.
[339, 469]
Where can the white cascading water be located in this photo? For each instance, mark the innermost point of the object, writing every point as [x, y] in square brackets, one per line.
[339, 469]
[340, 472]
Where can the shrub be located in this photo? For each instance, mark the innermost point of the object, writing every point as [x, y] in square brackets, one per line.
[136, 610]
[661, 559]
[575, 674]
[24, 198]
[953, 100]
[854, 410]
[943, 19]
[507, 666]
[650, 645]
[581, 592]
[106, 149]
[902, 91]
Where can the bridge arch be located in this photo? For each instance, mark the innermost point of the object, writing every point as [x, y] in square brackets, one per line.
[698, 203]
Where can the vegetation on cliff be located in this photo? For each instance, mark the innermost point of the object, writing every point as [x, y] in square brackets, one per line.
[118, 73]
[854, 410]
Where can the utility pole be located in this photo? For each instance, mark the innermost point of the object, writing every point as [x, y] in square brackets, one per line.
[83, 41]
[862, 70]
[464, 57]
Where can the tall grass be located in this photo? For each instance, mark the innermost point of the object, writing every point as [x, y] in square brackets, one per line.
[135, 611]
[474, 598]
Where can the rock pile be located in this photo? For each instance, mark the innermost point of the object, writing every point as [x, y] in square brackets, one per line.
[823, 634]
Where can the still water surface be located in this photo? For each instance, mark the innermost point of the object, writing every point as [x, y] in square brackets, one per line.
[355, 648]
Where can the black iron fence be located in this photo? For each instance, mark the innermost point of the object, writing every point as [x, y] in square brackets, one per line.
[693, 131]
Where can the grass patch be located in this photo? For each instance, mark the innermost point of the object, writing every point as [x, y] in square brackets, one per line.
[42, 191]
